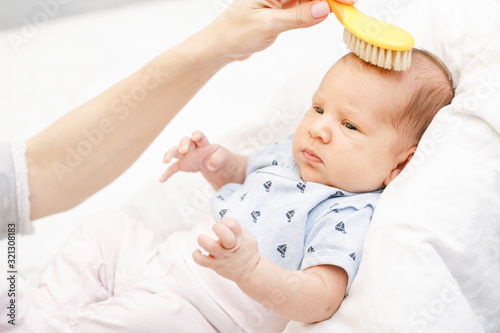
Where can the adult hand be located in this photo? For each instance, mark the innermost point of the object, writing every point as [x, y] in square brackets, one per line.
[249, 26]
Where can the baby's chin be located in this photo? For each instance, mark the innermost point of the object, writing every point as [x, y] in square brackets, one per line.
[312, 177]
[310, 174]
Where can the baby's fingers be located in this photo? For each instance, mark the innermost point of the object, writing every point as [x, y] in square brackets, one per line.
[217, 159]
[169, 172]
[211, 246]
[200, 139]
[233, 226]
[186, 145]
[171, 153]
[203, 260]
[227, 239]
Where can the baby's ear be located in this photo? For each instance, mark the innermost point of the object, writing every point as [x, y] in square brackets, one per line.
[403, 160]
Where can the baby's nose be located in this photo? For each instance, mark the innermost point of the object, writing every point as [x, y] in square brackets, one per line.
[321, 131]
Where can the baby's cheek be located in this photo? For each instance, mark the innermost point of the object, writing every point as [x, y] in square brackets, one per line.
[310, 174]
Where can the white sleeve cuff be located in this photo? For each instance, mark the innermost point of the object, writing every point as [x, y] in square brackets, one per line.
[18, 151]
[20, 174]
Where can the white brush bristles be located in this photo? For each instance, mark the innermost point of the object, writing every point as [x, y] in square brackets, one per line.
[396, 60]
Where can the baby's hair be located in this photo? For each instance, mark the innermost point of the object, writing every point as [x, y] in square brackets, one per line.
[430, 87]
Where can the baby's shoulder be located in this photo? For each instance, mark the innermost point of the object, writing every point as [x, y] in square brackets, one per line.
[341, 203]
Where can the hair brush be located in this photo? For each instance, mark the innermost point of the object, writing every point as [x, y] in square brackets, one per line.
[375, 41]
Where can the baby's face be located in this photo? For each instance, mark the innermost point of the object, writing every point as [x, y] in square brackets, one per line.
[342, 140]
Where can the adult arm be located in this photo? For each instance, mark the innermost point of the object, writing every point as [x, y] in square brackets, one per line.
[63, 172]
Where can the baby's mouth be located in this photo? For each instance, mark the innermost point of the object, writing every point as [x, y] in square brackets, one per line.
[310, 156]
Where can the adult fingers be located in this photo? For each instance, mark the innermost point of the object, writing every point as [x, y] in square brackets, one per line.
[348, 2]
[304, 15]
[289, 3]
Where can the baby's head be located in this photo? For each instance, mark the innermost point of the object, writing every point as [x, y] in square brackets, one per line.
[365, 122]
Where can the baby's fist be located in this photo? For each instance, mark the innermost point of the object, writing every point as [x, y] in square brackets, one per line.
[234, 255]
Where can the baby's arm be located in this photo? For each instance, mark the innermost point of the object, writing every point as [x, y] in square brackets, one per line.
[218, 165]
[307, 296]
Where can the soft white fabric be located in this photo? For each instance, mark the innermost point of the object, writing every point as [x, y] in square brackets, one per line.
[113, 275]
[431, 259]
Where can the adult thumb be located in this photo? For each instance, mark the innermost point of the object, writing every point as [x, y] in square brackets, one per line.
[304, 15]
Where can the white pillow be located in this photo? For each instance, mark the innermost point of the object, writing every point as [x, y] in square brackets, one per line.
[432, 255]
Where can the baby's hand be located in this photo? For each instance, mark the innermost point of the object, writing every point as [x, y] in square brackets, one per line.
[194, 154]
[234, 255]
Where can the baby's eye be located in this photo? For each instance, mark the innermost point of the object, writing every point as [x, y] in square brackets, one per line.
[350, 126]
[319, 110]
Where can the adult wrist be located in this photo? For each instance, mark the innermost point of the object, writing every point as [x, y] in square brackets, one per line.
[213, 45]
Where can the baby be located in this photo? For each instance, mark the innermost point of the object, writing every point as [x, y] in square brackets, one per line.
[292, 219]
[302, 207]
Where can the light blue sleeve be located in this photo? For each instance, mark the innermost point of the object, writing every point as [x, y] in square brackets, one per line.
[337, 239]
[14, 190]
